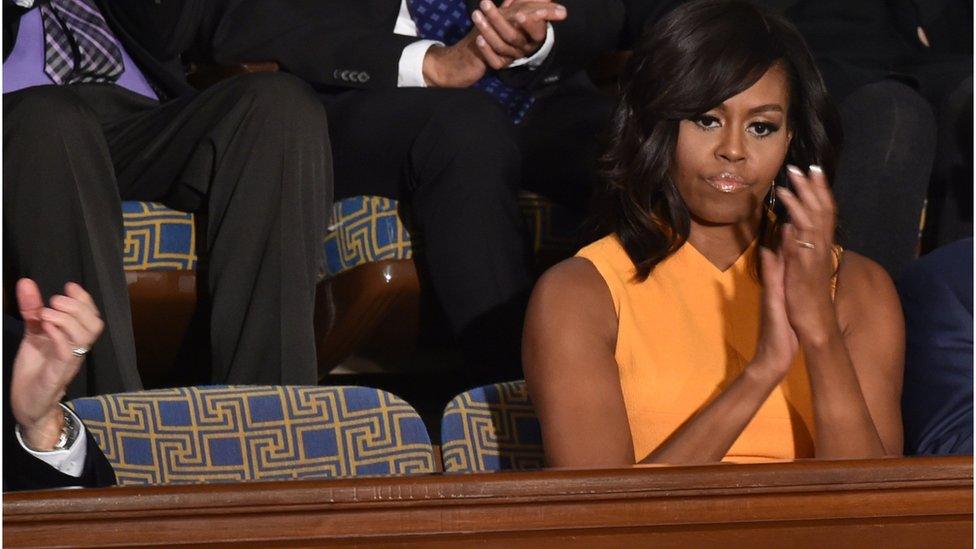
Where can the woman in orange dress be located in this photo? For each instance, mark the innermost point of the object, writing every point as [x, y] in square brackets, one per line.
[716, 319]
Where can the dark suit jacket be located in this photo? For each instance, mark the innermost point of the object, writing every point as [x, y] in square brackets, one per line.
[350, 43]
[22, 471]
[937, 398]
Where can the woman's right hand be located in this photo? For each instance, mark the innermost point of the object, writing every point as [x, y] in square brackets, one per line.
[778, 343]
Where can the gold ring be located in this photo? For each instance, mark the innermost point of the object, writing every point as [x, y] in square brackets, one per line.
[805, 244]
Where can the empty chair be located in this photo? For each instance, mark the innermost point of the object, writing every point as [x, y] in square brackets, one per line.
[491, 428]
[238, 433]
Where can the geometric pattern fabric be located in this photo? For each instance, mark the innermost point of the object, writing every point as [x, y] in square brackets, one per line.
[491, 428]
[157, 238]
[242, 433]
[364, 229]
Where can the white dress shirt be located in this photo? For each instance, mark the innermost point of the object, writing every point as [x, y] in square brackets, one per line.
[411, 66]
[70, 461]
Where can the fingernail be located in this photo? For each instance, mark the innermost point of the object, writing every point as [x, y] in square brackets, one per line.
[816, 168]
[541, 13]
[477, 17]
[480, 40]
[560, 10]
[794, 170]
[486, 5]
[520, 17]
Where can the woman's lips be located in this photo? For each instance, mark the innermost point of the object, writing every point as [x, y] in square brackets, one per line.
[727, 182]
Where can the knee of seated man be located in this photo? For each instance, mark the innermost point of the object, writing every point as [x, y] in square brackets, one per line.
[285, 97]
[471, 118]
[48, 112]
[897, 104]
[473, 131]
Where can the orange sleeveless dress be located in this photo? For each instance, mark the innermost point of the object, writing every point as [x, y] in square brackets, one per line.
[683, 335]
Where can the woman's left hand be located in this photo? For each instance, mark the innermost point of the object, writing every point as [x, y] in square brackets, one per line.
[807, 248]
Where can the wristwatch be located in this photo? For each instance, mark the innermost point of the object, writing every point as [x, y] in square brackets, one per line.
[69, 432]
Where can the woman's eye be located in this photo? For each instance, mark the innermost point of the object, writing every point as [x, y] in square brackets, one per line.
[707, 122]
[762, 129]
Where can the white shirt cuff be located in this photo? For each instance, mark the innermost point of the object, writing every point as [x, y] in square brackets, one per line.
[70, 461]
[539, 56]
[25, 3]
[411, 67]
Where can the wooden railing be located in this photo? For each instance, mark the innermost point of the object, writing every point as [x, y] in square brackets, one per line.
[910, 502]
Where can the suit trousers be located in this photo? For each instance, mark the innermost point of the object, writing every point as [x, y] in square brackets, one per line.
[456, 161]
[250, 154]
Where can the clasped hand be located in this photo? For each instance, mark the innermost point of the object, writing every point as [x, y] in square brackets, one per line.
[500, 35]
[797, 301]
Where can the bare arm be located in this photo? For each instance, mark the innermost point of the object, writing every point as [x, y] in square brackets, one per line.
[856, 370]
[854, 350]
[568, 357]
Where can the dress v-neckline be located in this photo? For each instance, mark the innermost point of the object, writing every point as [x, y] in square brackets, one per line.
[714, 268]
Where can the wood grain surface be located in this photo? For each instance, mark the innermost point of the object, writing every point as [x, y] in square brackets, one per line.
[906, 502]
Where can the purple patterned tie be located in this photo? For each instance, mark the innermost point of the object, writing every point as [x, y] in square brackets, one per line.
[448, 21]
[78, 43]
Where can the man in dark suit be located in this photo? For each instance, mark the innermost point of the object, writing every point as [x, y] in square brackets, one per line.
[452, 106]
[96, 108]
[44, 444]
[937, 399]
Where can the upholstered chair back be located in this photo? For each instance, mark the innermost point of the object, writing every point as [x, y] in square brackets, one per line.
[491, 428]
[241, 433]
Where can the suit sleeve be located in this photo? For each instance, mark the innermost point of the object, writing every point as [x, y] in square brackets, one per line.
[937, 399]
[22, 471]
[592, 27]
[346, 43]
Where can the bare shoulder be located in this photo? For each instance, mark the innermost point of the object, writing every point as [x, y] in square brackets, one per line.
[575, 287]
[575, 274]
[572, 299]
[860, 278]
[865, 291]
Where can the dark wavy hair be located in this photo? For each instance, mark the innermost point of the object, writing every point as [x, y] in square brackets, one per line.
[698, 56]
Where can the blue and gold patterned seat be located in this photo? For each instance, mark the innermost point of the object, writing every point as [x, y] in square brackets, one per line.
[228, 433]
[157, 238]
[491, 428]
[364, 229]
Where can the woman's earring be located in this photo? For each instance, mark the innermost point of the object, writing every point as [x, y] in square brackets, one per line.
[771, 198]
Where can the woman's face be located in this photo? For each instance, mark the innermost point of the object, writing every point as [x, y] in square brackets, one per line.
[727, 158]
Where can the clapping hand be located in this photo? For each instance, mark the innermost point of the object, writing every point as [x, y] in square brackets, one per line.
[778, 343]
[500, 35]
[797, 300]
[514, 30]
[50, 354]
[808, 253]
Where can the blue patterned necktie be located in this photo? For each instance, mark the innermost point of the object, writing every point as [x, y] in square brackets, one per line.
[448, 21]
[79, 46]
